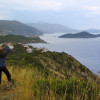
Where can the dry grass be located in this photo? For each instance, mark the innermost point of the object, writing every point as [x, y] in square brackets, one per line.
[23, 79]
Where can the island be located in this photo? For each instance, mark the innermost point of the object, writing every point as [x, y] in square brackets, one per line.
[83, 34]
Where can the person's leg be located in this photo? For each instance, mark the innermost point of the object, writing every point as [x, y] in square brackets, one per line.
[5, 70]
[0, 74]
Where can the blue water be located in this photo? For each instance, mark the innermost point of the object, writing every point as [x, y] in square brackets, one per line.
[86, 51]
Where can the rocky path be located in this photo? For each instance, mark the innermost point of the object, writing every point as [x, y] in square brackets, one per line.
[7, 93]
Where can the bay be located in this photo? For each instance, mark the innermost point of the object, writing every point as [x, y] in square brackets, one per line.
[86, 51]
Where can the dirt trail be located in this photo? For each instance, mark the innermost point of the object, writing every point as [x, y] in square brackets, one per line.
[57, 73]
[7, 95]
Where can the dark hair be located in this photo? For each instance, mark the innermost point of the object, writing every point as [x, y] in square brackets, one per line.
[1, 54]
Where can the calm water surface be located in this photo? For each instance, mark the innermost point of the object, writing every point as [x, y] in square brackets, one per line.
[86, 51]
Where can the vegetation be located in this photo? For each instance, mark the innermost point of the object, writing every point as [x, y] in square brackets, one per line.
[50, 76]
[30, 84]
[19, 39]
[59, 64]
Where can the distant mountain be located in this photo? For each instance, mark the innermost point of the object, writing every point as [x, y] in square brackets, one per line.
[19, 39]
[15, 27]
[83, 34]
[51, 28]
[92, 30]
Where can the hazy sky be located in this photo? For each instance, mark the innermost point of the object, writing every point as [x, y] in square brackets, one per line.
[80, 14]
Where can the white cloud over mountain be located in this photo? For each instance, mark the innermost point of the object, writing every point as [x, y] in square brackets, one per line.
[69, 8]
[49, 4]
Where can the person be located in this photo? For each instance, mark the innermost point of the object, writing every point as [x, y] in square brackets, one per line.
[3, 64]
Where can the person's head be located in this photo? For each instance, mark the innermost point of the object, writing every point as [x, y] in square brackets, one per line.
[1, 52]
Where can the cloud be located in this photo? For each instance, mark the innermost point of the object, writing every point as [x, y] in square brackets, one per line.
[91, 11]
[1, 5]
[44, 5]
[34, 5]
[91, 8]
[62, 11]
[5, 14]
[47, 5]
[41, 6]
[2, 17]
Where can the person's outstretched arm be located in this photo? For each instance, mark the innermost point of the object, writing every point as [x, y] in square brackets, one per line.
[7, 50]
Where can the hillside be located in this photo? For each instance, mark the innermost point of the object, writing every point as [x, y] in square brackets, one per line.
[51, 28]
[83, 34]
[19, 39]
[15, 27]
[60, 64]
[49, 75]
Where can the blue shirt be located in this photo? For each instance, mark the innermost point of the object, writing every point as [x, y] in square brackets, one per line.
[3, 59]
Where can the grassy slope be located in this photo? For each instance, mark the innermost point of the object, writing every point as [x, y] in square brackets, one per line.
[59, 64]
[50, 76]
[30, 84]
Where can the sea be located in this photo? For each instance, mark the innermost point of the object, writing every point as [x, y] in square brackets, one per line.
[85, 50]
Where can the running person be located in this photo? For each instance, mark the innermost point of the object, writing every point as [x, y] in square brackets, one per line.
[3, 64]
